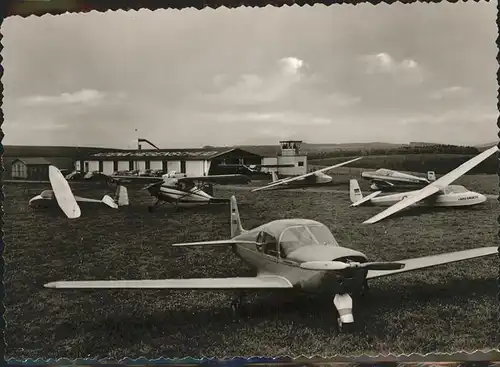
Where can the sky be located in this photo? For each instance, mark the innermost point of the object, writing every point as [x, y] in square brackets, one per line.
[339, 74]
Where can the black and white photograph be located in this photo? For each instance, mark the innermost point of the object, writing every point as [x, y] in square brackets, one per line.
[317, 180]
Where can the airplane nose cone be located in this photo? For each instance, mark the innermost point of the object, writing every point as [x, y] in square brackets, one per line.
[482, 198]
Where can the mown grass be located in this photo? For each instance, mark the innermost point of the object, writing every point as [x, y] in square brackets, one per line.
[448, 308]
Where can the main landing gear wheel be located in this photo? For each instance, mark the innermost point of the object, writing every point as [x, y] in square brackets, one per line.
[344, 328]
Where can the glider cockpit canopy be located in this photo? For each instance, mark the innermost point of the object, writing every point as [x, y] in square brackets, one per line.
[47, 194]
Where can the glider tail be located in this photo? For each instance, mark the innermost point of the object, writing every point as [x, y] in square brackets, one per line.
[431, 176]
[274, 176]
[236, 227]
[121, 196]
[355, 191]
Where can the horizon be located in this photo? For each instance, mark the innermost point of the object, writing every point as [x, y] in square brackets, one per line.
[229, 146]
[401, 74]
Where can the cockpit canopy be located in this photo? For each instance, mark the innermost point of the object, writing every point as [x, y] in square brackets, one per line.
[294, 237]
[455, 189]
[47, 194]
[384, 172]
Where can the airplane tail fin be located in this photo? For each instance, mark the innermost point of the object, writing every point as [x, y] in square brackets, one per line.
[121, 196]
[274, 176]
[431, 176]
[355, 191]
[108, 200]
[236, 227]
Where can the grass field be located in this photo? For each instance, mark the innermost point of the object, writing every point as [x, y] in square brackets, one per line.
[449, 308]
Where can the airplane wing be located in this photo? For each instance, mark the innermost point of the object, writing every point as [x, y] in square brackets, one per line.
[235, 165]
[434, 260]
[218, 179]
[434, 187]
[385, 182]
[259, 282]
[287, 180]
[136, 179]
[366, 198]
[216, 243]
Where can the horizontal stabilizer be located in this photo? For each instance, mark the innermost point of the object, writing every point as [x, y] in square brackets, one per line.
[108, 200]
[366, 198]
[216, 243]
[260, 282]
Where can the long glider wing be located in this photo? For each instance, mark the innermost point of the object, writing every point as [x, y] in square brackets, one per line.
[435, 186]
[287, 180]
[261, 281]
[434, 260]
[64, 196]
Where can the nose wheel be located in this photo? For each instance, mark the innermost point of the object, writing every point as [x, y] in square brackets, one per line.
[345, 317]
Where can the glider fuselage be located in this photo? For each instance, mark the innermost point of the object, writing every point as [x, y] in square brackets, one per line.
[441, 199]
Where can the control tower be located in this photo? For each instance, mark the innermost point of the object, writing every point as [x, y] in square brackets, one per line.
[291, 154]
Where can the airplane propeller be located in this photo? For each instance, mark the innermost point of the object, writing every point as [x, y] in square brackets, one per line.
[339, 265]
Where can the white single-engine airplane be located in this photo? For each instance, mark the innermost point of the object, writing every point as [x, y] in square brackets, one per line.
[62, 196]
[295, 254]
[386, 179]
[439, 193]
[311, 179]
[253, 168]
[182, 191]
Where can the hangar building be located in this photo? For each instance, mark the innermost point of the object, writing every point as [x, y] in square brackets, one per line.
[197, 162]
[193, 162]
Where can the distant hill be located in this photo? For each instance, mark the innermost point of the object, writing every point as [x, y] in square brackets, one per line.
[482, 147]
[18, 151]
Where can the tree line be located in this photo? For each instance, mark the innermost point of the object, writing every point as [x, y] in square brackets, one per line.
[401, 150]
[439, 163]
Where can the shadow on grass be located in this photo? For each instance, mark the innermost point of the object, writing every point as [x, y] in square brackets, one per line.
[314, 313]
[419, 210]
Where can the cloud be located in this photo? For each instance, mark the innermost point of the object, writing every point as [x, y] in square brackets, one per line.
[448, 118]
[251, 89]
[81, 97]
[450, 92]
[341, 100]
[287, 118]
[407, 70]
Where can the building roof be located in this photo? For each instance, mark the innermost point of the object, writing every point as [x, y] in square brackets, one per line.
[262, 150]
[31, 161]
[198, 153]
